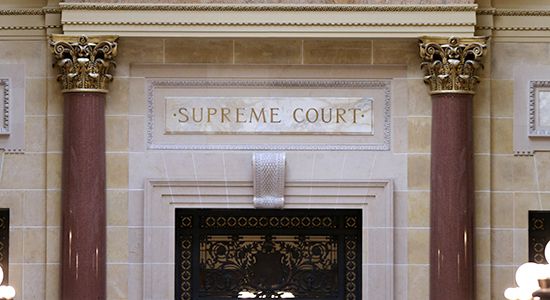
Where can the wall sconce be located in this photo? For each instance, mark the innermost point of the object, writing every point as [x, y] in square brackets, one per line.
[6, 292]
[533, 281]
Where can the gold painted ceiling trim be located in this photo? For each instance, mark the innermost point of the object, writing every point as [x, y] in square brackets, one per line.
[514, 13]
[513, 28]
[29, 12]
[29, 27]
[263, 24]
[273, 7]
[21, 12]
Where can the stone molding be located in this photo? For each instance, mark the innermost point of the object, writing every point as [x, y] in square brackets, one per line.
[528, 136]
[264, 7]
[452, 63]
[384, 85]
[5, 118]
[12, 119]
[162, 196]
[264, 20]
[84, 61]
[534, 108]
[514, 25]
[513, 13]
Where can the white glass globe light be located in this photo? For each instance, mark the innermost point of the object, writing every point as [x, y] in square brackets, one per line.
[527, 276]
[1, 274]
[543, 271]
[3, 291]
[10, 292]
[517, 294]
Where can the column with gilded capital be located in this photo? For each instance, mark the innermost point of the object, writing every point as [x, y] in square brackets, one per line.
[84, 64]
[451, 65]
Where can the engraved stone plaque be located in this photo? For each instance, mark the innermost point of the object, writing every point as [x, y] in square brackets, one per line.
[267, 108]
[269, 115]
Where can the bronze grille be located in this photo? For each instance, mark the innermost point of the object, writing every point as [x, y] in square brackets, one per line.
[303, 254]
[539, 235]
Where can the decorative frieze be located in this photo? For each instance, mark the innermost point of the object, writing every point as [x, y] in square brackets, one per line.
[264, 7]
[84, 61]
[452, 63]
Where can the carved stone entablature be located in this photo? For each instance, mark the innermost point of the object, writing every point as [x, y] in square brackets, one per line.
[452, 63]
[84, 61]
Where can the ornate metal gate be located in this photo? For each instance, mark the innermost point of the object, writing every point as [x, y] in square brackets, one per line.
[305, 254]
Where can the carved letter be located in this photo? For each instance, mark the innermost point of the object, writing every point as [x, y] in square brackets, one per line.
[339, 113]
[183, 114]
[316, 115]
[273, 113]
[225, 112]
[253, 114]
[355, 114]
[240, 114]
[211, 112]
[294, 115]
[194, 119]
[323, 115]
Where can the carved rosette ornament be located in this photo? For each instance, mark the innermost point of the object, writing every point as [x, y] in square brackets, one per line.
[84, 61]
[452, 63]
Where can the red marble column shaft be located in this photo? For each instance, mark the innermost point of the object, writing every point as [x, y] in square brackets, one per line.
[452, 198]
[83, 268]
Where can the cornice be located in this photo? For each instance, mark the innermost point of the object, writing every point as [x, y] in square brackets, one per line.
[261, 24]
[263, 20]
[272, 7]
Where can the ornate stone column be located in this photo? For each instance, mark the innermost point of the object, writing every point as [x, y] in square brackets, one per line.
[451, 64]
[84, 63]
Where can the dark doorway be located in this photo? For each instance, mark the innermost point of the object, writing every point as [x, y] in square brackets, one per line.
[271, 254]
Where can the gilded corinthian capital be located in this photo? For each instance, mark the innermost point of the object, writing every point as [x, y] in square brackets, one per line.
[84, 61]
[452, 63]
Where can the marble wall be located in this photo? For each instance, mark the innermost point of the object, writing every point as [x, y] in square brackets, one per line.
[517, 183]
[507, 186]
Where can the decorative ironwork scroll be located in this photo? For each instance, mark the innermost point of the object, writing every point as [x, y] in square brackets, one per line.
[539, 235]
[305, 254]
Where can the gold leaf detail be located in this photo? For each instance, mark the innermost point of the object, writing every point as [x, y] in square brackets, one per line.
[451, 63]
[84, 61]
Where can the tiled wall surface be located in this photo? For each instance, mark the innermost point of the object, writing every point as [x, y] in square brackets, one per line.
[23, 182]
[507, 186]
[518, 183]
